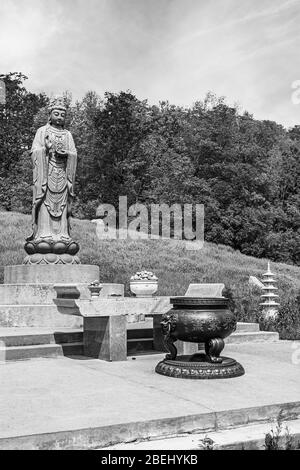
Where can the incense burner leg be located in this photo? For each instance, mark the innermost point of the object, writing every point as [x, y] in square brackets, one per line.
[170, 347]
[213, 349]
[168, 325]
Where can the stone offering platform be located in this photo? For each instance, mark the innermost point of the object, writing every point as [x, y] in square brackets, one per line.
[80, 403]
[31, 299]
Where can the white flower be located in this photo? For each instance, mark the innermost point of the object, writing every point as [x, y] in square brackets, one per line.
[144, 276]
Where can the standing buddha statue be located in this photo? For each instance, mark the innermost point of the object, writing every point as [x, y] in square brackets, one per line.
[54, 160]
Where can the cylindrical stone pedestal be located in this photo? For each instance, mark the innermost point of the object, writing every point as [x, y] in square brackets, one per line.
[51, 274]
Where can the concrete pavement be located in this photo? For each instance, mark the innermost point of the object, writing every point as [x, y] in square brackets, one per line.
[86, 403]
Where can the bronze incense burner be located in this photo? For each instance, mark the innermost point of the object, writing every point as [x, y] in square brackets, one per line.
[198, 320]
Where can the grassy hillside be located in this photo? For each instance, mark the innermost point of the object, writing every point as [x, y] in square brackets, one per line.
[175, 266]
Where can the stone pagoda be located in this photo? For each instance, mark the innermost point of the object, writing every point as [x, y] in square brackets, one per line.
[269, 304]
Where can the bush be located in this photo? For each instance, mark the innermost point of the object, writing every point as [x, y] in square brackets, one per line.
[247, 308]
[287, 322]
[228, 293]
[280, 438]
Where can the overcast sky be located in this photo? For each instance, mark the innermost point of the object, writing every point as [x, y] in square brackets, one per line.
[176, 50]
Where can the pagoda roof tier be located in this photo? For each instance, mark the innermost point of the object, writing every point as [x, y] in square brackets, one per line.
[269, 304]
[270, 295]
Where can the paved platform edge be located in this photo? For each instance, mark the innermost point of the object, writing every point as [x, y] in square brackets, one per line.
[105, 436]
[250, 437]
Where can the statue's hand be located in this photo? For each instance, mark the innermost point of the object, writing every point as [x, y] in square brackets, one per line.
[48, 142]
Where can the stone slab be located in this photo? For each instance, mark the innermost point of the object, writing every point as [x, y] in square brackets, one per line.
[51, 274]
[246, 337]
[97, 307]
[80, 403]
[205, 290]
[253, 281]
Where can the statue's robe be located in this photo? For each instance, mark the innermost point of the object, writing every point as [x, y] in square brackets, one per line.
[53, 185]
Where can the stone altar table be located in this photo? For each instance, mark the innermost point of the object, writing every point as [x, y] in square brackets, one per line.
[105, 320]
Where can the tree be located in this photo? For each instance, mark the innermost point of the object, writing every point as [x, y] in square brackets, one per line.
[16, 133]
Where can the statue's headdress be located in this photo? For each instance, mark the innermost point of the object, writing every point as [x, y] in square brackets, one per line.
[58, 102]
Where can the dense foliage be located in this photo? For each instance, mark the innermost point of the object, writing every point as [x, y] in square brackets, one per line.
[16, 134]
[246, 172]
[287, 323]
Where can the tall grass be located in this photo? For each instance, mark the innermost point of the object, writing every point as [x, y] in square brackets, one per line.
[175, 266]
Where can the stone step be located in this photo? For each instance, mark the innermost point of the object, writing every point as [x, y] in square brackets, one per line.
[37, 336]
[246, 337]
[25, 337]
[20, 353]
[241, 326]
[72, 349]
[139, 346]
[17, 345]
[26, 343]
[134, 330]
